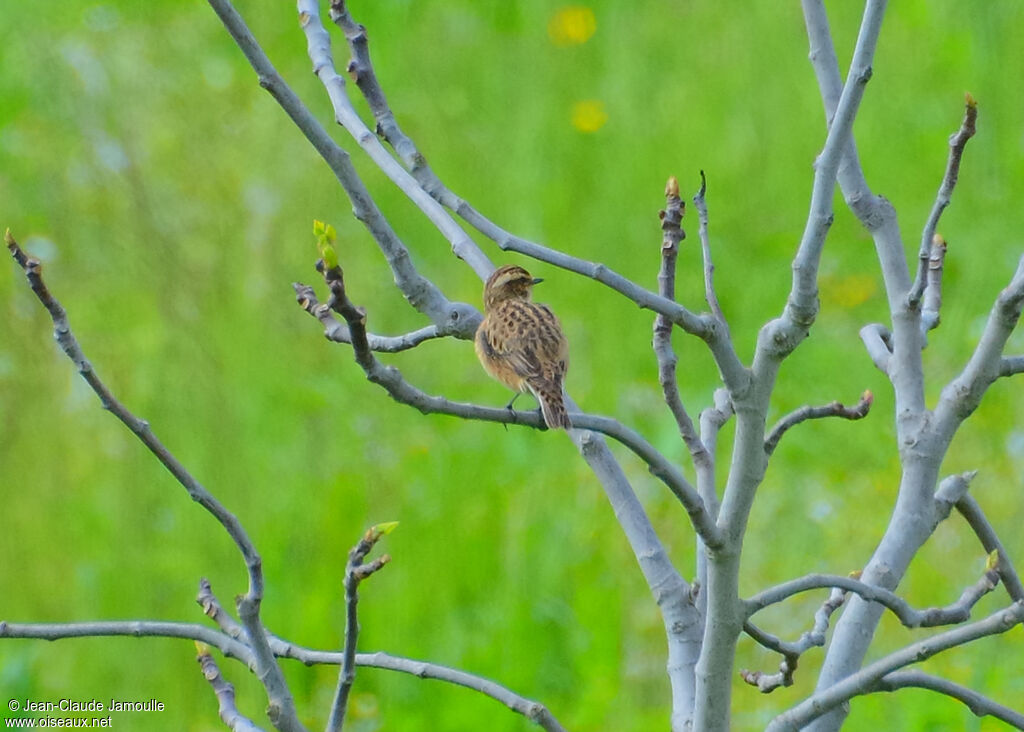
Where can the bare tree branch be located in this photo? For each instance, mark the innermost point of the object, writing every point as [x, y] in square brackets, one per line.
[979, 704]
[933, 290]
[318, 44]
[231, 647]
[969, 508]
[281, 709]
[421, 293]
[957, 143]
[791, 652]
[534, 711]
[1011, 365]
[834, 409]
[671, 224]
[402, 391]
[710, 296]
[863, 681]
[337, 332]
[802, 307]
[963, 394]
[956, 612]
[355, 572]
[225, 692]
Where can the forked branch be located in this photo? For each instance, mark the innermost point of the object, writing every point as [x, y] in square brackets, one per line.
[864, 681]
[957, 143]
[356, 570]
[791, 651]
[225, 693]
[281, 705]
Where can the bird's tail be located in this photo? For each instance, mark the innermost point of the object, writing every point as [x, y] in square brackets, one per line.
[551, 405]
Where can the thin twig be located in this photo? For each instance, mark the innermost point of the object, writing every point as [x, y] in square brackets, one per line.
[834, 409]
[282, 706]
[231, 647]
[956, 612]
[701, 204]
[402, 391]
[957, 143]
[863, 681]
[970, 509]
[337, 332]
[933, 290]
[979, 704]
[791, 651]
[225, 693]
[355, 572]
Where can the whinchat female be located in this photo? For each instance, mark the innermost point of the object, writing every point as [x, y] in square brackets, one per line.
[520, 343]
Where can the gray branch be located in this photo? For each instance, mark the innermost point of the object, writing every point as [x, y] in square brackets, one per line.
[969, 508]
[671, 224]
[863, 681]
[532, 710]
[225, 693]
[1011, 365]
[963, 394]
[834, 409]
[421, 293]
[710, 296]
[236, 648]
[355, 572]
[460, 315]
[979, 704]
[318, 44]
[954, 613]
[802, 307]
[957, 143]
[281, 705]
[791, 651]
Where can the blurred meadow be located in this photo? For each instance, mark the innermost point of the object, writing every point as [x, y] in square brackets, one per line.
[172, 202]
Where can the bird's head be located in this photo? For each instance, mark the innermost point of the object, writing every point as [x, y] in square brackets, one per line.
[510, 282]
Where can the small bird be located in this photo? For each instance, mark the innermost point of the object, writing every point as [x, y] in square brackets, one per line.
[520, 343]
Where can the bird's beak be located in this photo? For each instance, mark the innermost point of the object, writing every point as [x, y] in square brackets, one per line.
[537, 280]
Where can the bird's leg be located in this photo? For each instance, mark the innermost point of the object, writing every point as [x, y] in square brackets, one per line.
[511, 411]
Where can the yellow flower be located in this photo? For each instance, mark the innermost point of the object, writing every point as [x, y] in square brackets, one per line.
[572, 25]
[588, 115]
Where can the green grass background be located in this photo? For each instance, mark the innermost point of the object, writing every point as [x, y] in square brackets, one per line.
[172, 201]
